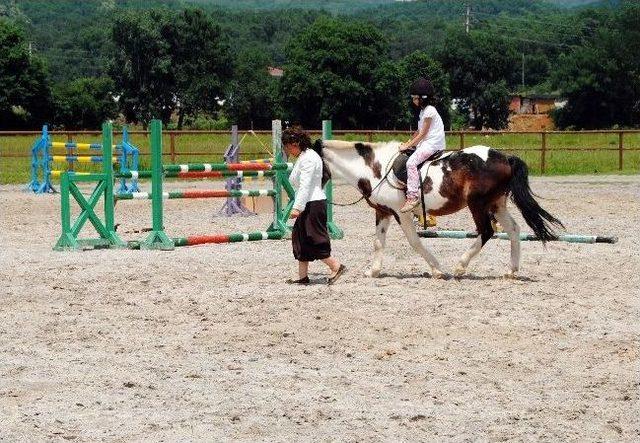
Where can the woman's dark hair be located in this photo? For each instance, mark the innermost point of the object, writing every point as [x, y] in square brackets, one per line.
[423, 88]
[296, 134]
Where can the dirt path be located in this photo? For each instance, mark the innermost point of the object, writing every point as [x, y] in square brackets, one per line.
[208, 344]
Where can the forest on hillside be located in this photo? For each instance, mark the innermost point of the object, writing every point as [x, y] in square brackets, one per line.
[203, 63]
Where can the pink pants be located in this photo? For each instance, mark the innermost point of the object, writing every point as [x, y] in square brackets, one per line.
[413, 180]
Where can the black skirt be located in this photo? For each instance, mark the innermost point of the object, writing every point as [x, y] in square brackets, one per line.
[309, 237]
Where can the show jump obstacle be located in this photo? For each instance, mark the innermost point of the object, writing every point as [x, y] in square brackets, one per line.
[278, 171]
[126, 155]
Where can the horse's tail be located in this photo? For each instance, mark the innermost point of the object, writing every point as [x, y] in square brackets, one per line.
[537, 218]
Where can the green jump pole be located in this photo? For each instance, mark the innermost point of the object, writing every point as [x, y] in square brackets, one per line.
[157, 239]
[334, 231]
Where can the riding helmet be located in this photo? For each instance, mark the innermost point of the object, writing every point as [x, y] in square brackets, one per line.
[422, 87]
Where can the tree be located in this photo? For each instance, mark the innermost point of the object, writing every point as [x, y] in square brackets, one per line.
[330, 73]
[390, 95]
[252, 100]
[85, 103]
[25, 95]
[479, 63]
[601, 80]
[201, 63]
[142, 66]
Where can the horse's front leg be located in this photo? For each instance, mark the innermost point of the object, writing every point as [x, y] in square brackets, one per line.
[382, 227]
[409, 229]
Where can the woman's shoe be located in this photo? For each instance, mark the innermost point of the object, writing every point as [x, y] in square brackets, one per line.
[337, 275]
[302, 281]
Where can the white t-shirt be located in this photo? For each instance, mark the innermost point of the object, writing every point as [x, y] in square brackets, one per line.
[434, 140]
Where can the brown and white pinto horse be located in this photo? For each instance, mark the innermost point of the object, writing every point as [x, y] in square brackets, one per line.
[478, 177]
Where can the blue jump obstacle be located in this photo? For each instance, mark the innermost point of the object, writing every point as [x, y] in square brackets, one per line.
[126, 154]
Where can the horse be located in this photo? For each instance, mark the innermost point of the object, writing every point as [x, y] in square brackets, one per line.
[478, 177]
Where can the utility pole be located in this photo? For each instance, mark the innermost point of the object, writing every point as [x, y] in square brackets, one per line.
[467, 20]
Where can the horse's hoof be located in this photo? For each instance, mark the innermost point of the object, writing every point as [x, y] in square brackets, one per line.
[459, 272]
[438, 274]
[510, 275]
[371, 273]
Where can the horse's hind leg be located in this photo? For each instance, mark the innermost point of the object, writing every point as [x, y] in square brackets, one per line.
[482, 219]
[513, 231]
[409, 229]
[382, 226]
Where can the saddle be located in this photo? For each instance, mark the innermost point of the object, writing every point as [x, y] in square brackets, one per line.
[400, 164]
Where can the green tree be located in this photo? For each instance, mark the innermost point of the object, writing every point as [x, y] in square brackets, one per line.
[478, 63]
[252, 100]
[85, 103]
[25, 95]
[330, 73]
[601, 80]
[201, 63]
[142, 66]
[390, 96]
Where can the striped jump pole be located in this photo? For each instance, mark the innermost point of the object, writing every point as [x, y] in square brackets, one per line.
[195, 240]
[569, 238]
[79, 146]
[259, 160]
[197, 175]
[209, 167]
[197, 193]
[228, 238]
[79, 158]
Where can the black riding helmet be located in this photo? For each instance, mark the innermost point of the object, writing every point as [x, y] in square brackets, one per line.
[422, 87]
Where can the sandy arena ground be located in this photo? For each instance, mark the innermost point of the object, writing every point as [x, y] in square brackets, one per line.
[209, 344]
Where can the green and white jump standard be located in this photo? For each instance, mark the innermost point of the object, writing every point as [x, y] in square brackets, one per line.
[158, 238]
[108, 237]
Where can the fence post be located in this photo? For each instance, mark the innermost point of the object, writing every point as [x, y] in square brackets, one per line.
[620, 150]
[543, 153]
[461, 140]
[172, 147]
[370, 137]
